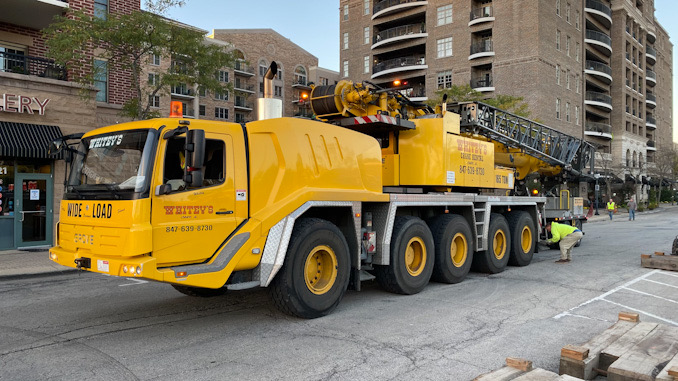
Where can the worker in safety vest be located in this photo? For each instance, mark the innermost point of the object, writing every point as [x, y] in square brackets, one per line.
[567, 235]
[610, 208]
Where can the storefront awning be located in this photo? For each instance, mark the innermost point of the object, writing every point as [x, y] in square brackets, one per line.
[27, 140]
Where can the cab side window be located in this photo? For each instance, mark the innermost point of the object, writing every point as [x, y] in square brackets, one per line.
[175, 163]
[214, 162]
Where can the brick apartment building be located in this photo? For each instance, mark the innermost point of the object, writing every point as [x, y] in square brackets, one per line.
[594, 68]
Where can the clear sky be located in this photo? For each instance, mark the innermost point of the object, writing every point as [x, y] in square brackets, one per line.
[314, 25]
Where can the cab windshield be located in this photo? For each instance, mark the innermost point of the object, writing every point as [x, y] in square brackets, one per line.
[116, 165]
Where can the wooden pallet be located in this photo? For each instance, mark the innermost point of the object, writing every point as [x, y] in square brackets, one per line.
[630, 350]
[659, 261]
[518, 369]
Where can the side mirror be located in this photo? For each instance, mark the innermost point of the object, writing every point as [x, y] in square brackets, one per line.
[195, 157]
[56, 146]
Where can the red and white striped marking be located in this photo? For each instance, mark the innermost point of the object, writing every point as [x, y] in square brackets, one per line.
[374, 119]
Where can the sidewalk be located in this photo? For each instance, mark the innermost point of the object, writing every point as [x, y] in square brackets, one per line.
[19, 263]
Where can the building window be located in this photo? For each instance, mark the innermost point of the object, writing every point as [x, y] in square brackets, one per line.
[154, 101]
[366, 35]
[201, 110]
[576, 115]
[223, 76]
[101, 9]
[345, 68]
[568, 40]
[277, 91]
[366, 7]
[261, 88]
[558, 7]
[567, 13]
[221, 95]
[300, 75]
[557, 74]
[155, 59]
[577, 51]
[345, 12]
[567, 80]
[239, 117]
[576, 20]
[366, 64]
[557, 39]
[445, 80]
[445, 47]
[101, 80]
[345, 40]
[567, 111]
[577, 84]
[263, 67]
[221, 113]
[324, 81]
[153, 79]
[445, 15]
[557, 108]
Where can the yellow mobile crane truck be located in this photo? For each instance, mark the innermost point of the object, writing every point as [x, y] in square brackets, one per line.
[377, 186]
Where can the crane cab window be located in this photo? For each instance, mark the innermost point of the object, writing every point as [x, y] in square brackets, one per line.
[175, 163]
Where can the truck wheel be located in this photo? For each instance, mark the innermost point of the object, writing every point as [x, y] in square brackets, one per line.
[495, 258]
[411, 261]
[523, 238]
[674, 248]
[200, 291]
[578, 224]
[452, 240]
[315, 275]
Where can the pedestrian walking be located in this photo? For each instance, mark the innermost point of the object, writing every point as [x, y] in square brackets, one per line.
[610, 208]
[567, 236]
[632, 209]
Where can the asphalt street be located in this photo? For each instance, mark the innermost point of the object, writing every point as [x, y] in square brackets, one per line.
[83, 326]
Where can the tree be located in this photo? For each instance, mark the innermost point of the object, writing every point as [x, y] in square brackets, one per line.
[465, 93]
[664, 167]
[127, 41]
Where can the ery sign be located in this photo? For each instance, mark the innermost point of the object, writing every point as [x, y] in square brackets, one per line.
[22, 104]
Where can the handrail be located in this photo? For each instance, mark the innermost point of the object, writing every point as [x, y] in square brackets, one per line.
[28, 65]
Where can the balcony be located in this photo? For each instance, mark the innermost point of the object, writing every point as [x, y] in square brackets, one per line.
[650, 55]
[481, 49]
[598, 100]
[398, 65]
[242, 69]
[651, 77]
[387, 7]
[599, 11]
[599, 70]
[400, 33]
[242, 104]
[482, 84]
[27, 65]
[415, 95]
[650, 123]
[651, 100]
[600, 130]
[600, 41]
[182, 92]
[651, 145]
[34, 14]
[481, 15]
[301, 83]
[651, 37]
[243, 88]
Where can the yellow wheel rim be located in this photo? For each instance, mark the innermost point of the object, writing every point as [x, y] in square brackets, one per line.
[458, 250]
[499, 244]
[320, 269]
[415, 256]
[526, 239]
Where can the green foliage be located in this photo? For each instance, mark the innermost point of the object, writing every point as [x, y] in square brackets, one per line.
[510, 103]
[465, 93]
[652, 205]
[127, 41]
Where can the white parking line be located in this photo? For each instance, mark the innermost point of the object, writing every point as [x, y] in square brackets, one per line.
[663, 284]
[137, 282]
[654, 296]
[642, 312]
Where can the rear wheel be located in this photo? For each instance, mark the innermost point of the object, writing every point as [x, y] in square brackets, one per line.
[523, 238]
[315, 275]
[411, 257]
[453, 252]
[200, 291]
[495, 258]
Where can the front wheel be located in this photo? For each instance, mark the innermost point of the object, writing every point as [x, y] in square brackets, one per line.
[494, 259]
[316, 271]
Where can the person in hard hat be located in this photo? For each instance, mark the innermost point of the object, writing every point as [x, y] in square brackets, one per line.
[567, 236]
[610, 208]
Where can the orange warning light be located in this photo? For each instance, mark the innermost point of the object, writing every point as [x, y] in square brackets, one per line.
[535, 192]
[176, 109]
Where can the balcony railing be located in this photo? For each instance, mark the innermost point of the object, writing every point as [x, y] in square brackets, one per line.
[302, 82]
[21, 64]
[598, 127]
[598, 66]
[651, 97]
[598, 36]
[242, 104]
[481, 82]
[599, 6]
[397, 62]
[182, 90]
[482, 12]
[649, 74]
[598, 97]
[381, 5]
[651, 143]
[482, 47]
[399, 31]
[243, 67]
[650, 120]
[651, 51]
[243, 87]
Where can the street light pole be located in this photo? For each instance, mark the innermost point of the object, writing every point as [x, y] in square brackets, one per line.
[597, 188]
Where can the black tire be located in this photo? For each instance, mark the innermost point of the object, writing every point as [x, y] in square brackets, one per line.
[410, 270]
[496, 257]
[578, 224]
[200, 291]
[453, 244]
[523, 238]
[317, 247]
[674, 248]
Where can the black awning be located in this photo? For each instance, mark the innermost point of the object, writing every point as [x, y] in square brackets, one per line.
[27, 140]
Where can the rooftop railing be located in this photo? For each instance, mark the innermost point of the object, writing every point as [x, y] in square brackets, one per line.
[21, 64]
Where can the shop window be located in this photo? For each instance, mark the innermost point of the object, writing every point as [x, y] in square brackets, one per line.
[6, 187]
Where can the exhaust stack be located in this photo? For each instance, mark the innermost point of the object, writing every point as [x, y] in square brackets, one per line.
[269, 107]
